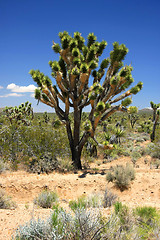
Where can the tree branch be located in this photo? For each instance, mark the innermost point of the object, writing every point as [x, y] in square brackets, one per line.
[111, 111]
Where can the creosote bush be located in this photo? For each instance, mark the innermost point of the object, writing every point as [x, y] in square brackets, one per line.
[121, 176]
[46, 199]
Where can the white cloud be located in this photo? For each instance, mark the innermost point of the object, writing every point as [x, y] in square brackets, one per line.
[1, 87]
[11, 95]
[15, 88]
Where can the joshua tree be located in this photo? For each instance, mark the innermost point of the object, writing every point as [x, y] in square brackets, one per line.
[156, 114]
[155, 108]
[46, 117]
[133, 117]
[21, 114]
[80, 82]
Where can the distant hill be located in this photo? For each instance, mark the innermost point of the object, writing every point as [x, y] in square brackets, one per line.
[146, 110]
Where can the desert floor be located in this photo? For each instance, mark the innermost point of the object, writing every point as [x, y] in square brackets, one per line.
[23, 187]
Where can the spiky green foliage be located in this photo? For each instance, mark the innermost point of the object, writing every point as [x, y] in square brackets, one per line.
[77, 61]
[132, 110]
[126, 102]
[92, 95]
[65, 42]
[93, 64]
[104, 63]
[37, 94]
[75, 71]
[100, 106]
[91, 39]
[84, 68]
[56, 48]
[75, 52]
[101, 47]
[87, 125]
[114, 80]
[20, 115]
[55, 66]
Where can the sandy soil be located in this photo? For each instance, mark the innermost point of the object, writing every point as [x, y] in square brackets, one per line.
[24, 187]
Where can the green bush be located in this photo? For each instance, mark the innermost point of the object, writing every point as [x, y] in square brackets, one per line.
[93, 200]
[146, 212]
[80, 203]
[46, 199]
[121, 176]
[147, 219]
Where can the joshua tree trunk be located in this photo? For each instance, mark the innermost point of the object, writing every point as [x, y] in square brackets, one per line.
[76, 159]
[154, 128]
[74, 139]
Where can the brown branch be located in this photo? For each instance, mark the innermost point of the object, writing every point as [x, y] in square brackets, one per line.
[111, 111]
[126, 94]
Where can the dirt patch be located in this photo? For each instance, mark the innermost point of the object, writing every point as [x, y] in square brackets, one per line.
[24, 187]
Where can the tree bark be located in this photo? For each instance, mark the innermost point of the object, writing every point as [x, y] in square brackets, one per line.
[154, 128]
[76, 159]
[74, 139]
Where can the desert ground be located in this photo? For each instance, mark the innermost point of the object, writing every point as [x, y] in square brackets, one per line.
[23, 187]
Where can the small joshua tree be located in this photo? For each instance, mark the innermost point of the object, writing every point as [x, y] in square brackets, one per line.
[80, 82]
[22, 114]
[133, 117]
[156, 114]
[46, 117]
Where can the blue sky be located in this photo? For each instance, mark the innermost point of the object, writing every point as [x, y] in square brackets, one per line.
[27, 29]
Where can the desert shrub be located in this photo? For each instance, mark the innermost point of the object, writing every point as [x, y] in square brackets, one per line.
[121, 176]
[87, 224]
[81, 202]
[122, 211]
[153, 150]
[43, 145]
[135, 155]
[112, 154]
[140, 139]
[156, 163]
[109, 198]
[93, 200]
[46, 199]
[64, 164]
[82, 225]
[46, 163]
[147, 219]
[5, 201]
[35, 229]
[146, 212]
